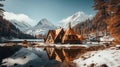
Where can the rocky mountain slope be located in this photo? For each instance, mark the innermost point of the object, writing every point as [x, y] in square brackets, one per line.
[9, 31]
[42, 28]
[20, 21]
[22, 26]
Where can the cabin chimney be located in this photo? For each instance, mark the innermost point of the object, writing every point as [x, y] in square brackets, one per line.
[70, 25]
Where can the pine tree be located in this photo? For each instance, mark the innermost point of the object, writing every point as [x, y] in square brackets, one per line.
[1, 9]
[1, 16]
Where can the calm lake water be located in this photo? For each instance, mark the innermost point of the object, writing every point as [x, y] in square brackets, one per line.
[29, 40]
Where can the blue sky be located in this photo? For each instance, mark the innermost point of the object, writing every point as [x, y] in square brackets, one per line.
[53, 10]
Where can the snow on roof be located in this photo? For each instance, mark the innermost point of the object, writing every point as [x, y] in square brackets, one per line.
[109, 57]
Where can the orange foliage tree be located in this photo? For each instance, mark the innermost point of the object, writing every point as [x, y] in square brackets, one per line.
[109, 12]
[114, 19]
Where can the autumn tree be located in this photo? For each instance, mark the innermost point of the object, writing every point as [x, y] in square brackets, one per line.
[100, 18]
[109, 12]
[114, 19]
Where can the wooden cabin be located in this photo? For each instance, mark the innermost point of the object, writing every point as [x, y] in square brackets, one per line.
[54, 36]
[71, 37]
[50, 36]
[65, 37]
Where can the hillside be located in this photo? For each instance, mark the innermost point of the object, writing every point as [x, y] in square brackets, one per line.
[20, 21]
[9, 31]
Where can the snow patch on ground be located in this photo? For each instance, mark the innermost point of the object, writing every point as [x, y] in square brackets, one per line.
[109, 57]
[107, 38]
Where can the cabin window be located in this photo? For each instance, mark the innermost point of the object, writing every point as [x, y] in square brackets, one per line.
[69, 37]
[60, 37]
[73, 37]
[49, 37]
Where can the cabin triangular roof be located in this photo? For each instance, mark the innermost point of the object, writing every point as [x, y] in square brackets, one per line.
[58, 32]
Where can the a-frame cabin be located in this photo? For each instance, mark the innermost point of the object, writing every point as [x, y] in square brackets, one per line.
[65, 37]
[54, 36]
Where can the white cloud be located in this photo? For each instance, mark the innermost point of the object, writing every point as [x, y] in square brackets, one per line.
[18, 17]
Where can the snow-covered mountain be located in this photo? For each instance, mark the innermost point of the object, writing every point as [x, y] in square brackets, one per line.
[41, 28]
[75, 19]
[20, 21]
[22, 26]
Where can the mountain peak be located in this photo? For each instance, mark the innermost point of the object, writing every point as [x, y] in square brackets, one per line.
[42, 27]
[44, 21]
[75, 19]
[79, 13]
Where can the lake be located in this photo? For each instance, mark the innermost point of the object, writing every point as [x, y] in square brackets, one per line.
[29, 40]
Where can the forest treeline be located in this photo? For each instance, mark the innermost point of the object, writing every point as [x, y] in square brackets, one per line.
[107, 19]
[8, 30]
